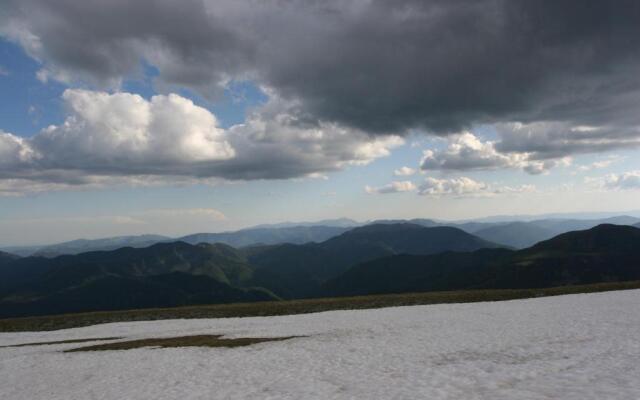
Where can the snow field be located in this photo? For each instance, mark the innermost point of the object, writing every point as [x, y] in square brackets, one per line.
[570, 347]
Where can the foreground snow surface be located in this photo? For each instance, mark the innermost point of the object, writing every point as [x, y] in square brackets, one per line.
[568, 347]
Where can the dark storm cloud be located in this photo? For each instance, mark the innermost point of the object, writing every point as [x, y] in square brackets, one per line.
[446, 65]
[102, 42]
[544, 140]
[379, 66]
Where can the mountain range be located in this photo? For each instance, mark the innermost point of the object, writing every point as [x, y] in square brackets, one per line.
[379, 258]
[244, 237]
[268, 236]
[516, 234]
[160, 275]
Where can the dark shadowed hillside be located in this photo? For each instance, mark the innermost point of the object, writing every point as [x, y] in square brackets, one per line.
[293, 270]
[606, 238]
[606, 253]
[371, 241]
[6, 258]
[417, 273]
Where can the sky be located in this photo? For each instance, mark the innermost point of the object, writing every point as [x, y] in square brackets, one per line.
[175, 117]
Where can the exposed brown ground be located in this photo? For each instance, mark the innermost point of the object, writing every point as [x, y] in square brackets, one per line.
[63, 342]
[180, 341]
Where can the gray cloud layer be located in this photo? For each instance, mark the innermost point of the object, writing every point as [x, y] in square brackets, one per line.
[377, 66]
[556, 78]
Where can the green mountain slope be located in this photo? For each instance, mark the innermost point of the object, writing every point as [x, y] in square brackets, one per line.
[268, 235]
[127, 277]
[121, 293]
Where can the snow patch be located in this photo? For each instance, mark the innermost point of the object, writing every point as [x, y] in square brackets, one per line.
[569, 347]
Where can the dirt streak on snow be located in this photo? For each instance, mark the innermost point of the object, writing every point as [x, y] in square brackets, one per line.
[570, 347]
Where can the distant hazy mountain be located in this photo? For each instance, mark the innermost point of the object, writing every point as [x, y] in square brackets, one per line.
[165, 274]
[338, 222]
[601, 254]
[516, 234]
[267, 236]
[556, 216]
[429, 223]
[274, 234]
[403, 238]
[567, 225]
[86, 245]
[469, 227]
[525, 234]
[473, 227]
[22, 251]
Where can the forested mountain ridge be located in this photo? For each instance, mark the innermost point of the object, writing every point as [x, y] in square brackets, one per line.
[379, 258]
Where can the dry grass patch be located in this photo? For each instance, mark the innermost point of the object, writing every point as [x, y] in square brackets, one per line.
[180, 341]
[62, 342]
[269, 308]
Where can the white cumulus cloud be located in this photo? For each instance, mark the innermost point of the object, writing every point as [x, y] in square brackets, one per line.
[393, 187]
[467, 152]
[105, 130]
[108, 137]
[624, 181]
[404, 171]
[462, 186]
[467, 187]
